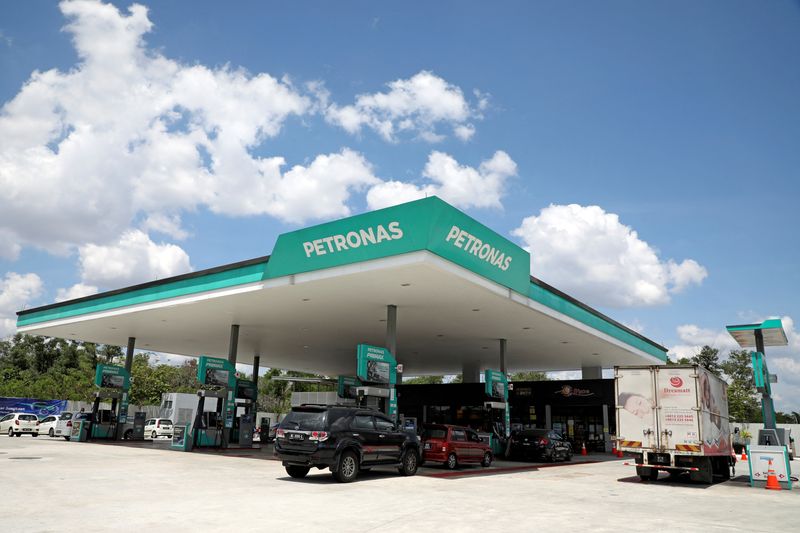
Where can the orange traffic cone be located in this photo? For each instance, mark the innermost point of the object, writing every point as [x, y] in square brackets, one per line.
[744, 455]
[772, 479]
[583, 449]
[620, 454]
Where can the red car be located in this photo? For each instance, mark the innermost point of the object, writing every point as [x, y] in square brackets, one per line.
[454, 445]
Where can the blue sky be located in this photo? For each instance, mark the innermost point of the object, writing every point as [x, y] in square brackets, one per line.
[679, 121]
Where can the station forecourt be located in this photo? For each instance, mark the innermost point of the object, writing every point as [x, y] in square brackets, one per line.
[440, 292]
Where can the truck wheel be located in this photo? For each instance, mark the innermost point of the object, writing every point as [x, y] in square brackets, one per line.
[705, 473]
[646, 473]
[346, 467]
[297, 472]
[409, 463]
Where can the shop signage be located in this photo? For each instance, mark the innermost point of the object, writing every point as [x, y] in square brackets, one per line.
[428, 224]
[112, 377]
[496, 384]
[376, 365]
[216, 371]
[568, 391]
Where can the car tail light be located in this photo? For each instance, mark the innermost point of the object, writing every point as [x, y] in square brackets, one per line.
[16, 422]
[543, 441]
[158, 424]
[319, 435]
[69, 423]
[444, 448]
[37, 422]
[279, 434]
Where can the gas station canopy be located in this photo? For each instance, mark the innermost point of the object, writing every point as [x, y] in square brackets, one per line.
[458, 286]
[772, 331]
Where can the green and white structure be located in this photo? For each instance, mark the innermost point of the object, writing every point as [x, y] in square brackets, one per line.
[443, 293]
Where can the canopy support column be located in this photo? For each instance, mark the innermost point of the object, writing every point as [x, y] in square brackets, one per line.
[233, 347]
[391, 335]
[503, 356]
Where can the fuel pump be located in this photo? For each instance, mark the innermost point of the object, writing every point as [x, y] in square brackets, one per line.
[207, 429]
[377, 370]
[104, 421]
[497, 410]
[113, 383]
[244, 417]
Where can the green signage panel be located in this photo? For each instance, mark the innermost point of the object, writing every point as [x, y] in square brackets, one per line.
[376, 365]
[760, 373]
[428, 224]
[347, 386]
[112, 377]
[496, 385]
[216, 371]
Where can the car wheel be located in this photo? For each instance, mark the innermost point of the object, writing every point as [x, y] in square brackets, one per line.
[346, 467]
[410, 462]
[51, 433]
[10, 432]
[66, 438]
[17, 434]
[128, 435]
[568, 457]
[487, 459]
[34, 434]
[452, 462]
[297, 472]
[153, 435]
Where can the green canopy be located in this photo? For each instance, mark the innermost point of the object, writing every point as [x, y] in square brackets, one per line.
[771, 330]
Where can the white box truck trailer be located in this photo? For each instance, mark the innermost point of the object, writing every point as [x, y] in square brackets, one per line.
[181, 407]
[674, 418]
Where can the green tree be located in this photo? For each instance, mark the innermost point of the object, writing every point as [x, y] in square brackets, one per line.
[424, 380]
[709, 359]
[743, 400]
[529, 376]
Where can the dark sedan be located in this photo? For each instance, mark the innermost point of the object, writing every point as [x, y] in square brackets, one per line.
[541, 445]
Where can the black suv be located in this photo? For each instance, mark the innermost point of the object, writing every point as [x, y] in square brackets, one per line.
[345, 439]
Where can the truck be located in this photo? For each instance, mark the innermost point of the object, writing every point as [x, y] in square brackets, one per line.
[674, 418]
[181, 407]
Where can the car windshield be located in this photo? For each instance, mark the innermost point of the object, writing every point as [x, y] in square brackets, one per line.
[306, 420]
[166, 422]
[29, 418]
[66, 416]
[435, 433]
[83, 416]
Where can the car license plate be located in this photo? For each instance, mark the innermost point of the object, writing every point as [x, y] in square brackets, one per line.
[427, 445]
[26, 429]
[295, 436]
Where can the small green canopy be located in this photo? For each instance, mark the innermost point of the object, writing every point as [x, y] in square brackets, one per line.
[772, 331]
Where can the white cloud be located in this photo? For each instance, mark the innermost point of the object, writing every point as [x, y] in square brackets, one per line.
[591, 254]
[165, 224]
[416, 106]
[134, 258]
[460, 185]
[129, 133]
[79, 290]
[16, 291]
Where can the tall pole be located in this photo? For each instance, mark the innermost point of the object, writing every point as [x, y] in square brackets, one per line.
[503, 356]
[768, 409]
